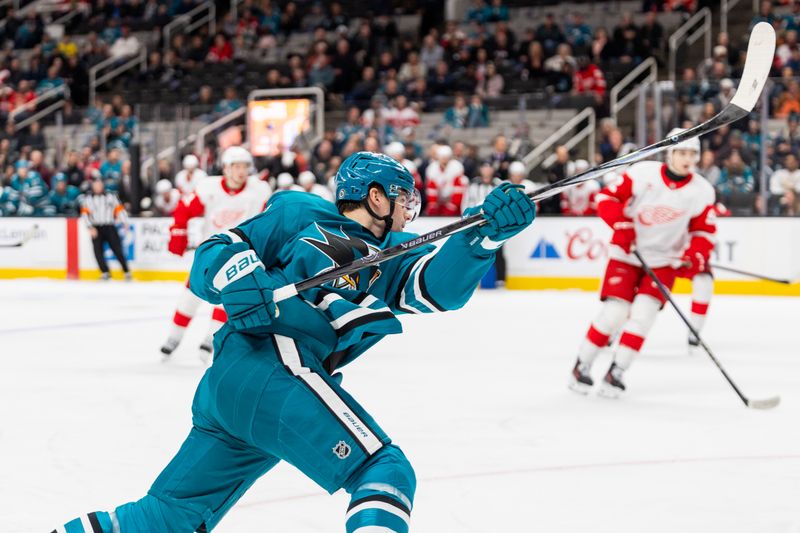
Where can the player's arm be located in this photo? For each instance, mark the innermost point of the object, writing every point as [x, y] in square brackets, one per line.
[444, 279]
[611, 202]
[189, 207]
[702, 239]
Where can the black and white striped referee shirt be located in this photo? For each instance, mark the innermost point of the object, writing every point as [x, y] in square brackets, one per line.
[102, 209]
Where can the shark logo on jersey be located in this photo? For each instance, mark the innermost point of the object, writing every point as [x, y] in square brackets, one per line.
[341, 249]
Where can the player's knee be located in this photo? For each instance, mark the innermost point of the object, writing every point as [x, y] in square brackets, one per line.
[613, 314]
[382, 492]
[643, 313]
[152, 513]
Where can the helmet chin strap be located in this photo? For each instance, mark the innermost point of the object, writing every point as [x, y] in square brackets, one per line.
[387, 220]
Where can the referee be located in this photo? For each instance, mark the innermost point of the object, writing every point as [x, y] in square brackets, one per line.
[100, 210]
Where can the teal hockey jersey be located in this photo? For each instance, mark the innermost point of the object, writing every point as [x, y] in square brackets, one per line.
[299, 235]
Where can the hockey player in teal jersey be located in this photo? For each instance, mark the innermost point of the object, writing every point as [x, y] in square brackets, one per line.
[274, 391]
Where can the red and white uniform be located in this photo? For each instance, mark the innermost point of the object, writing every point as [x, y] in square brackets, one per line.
[412, 168]
[580, 200]
[221, 207]
[666, 215]
[445, 188]
[187, 179]
[401, 118]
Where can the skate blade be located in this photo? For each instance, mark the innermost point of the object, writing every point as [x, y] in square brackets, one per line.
[610, 392]
[581, 388]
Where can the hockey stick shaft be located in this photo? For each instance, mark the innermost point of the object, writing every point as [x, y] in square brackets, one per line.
[760, 52]
[751, 274]
[666, 293]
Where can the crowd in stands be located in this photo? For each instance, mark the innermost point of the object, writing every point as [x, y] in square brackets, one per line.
[386, 79]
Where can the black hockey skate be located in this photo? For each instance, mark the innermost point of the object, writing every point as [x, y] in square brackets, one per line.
[168, 347]
[613, 387]
[581, 382]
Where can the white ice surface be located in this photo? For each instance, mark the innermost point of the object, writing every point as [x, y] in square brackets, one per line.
[477, 399]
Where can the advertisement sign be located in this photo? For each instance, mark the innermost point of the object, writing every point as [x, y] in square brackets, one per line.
[273, 125]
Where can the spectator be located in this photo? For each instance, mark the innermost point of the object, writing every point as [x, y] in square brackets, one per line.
[166, 198]
[533, 65]
[33, 192]
[588, 78]
[481, 186]
[789, 101]
[401, 115]
[765, 14]
[412, 69]
[445, 184]
[321, 73]
[64, 198]
[499, 157]
[561, 68]
[478, 116]
[602, 49]
[708, 168]
[627, 43]
[37, 163]
[652, 33]
[495, 12]
[457, 115]
[491, 83]
[736, 177]
[785, 188]
[111, 171]
[345, 68]
[366, 87]
[549, 34]
[578, 33]
[397, 151]
[441, 81]
[431, 54]
[125, 45]
[74, 172]
[221, 51]
[229, 103]
[52, 81]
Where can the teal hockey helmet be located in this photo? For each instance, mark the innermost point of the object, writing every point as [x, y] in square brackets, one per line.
[362, 169]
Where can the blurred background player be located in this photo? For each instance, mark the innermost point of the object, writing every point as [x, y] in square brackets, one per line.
[308, 183]
[665, 212]
[580, 200]
[445, 184]
[397, 151]
[64, 198]
[166, 199]
[519, 176]
[223, 202]
[101, 211]
[187, 179]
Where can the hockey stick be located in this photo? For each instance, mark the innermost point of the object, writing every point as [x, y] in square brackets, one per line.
[760, 52]
[752, 274]
[767, 403]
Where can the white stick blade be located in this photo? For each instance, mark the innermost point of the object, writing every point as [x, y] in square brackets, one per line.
[760, 53]
[767, 403]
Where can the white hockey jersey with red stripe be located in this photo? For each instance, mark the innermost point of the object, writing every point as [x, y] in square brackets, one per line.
[666, 215]
[580, 200]
[445, 188]
[222, 208]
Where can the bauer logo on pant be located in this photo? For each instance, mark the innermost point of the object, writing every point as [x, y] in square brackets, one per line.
[341, 450]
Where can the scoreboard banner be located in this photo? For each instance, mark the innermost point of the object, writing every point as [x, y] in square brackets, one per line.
[554, 253]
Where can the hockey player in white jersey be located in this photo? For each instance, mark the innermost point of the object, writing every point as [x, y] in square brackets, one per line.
[187, 179]
[666, 212]
[223, 202]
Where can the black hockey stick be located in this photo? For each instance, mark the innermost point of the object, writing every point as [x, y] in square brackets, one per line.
[760, 52]
[767, 403]
[752, 274]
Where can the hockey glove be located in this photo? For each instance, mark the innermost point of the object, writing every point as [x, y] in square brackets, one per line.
[244, 288]
[178, 240]
[694, 258]
[624, 235]
[507, 211]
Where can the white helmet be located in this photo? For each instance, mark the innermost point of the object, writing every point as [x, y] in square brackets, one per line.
[395, 149]
[306, 177]
[163, 186]
[517, 168]
[689, 144]
[190, 162]
[285, 180]
[444, 152]
[236, 154]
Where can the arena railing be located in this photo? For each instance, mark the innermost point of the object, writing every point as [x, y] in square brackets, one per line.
[537, 156]
[119, 65]
[205, 13]
[634, 81]
[59, 94]
[689, 33]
